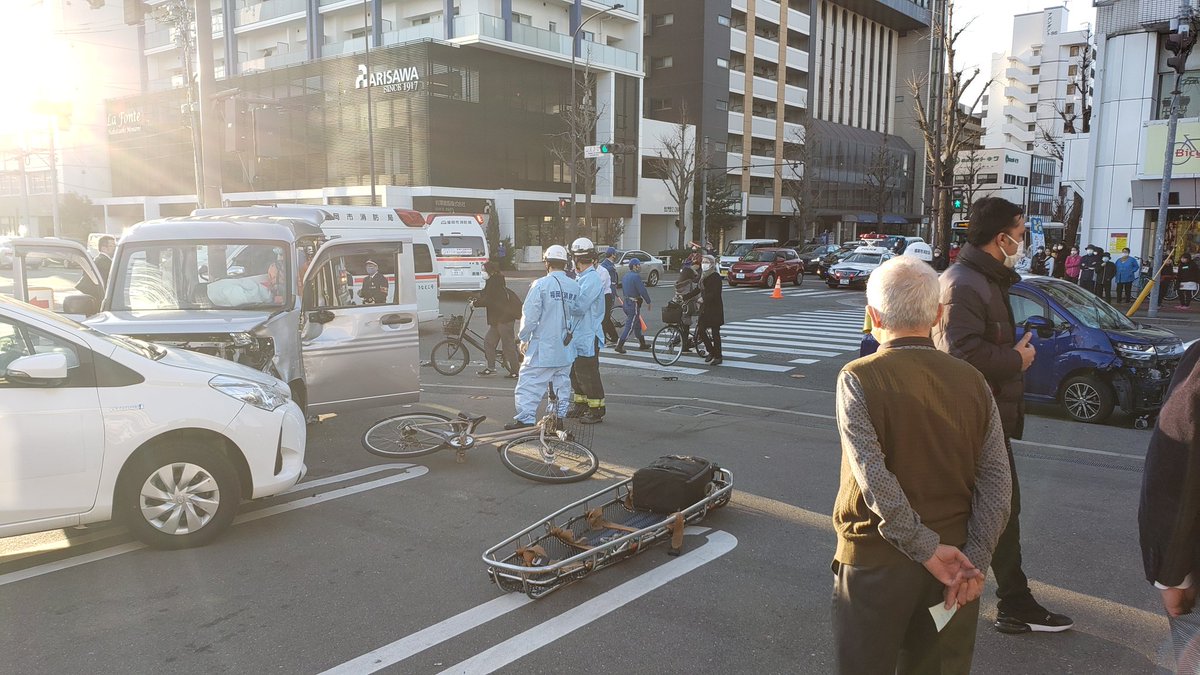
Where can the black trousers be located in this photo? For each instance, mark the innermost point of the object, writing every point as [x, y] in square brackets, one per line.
[1012, 587]
[1125, 291]
[1185, 297]
[1104, 289]
[882, 625]
[587, 389]
[610, 330]
[712, 339]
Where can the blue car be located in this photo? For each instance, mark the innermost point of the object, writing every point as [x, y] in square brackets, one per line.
[1090, 357]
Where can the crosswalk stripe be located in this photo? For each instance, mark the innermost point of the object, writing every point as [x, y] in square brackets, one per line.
[724, 354]
[675, 370]
[696, 360]
[804, 362]
[810, 325]
[777, 347]
[794, 331]
[792, 341]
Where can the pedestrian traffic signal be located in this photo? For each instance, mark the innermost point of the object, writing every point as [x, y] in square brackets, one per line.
[564, 203]
[607, 148]
[956, 198]
[1180, 46]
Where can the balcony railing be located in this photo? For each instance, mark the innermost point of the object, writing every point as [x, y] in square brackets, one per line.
[493, 27]
[435, 30]
[269, 9]
[274, 61]
[630, 6]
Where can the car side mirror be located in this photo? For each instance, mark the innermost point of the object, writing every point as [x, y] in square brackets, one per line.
[45, 370]
[1041, 325]
[84, 305]
[320, 316]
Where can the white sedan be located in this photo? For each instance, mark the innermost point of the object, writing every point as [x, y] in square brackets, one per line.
[856, 268]
[652, 268]
[169, 442]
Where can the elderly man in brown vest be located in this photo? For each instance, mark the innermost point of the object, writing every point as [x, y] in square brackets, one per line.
[925, 489]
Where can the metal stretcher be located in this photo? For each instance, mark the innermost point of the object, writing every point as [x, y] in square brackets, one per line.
[591, 534]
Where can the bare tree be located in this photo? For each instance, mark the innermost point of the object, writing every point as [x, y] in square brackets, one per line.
[968, 174]
[724, 200]
[678, 166]
[940, 159]
[807, 183]
[883, 177]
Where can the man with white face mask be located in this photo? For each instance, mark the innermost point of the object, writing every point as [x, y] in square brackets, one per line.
[977, 327]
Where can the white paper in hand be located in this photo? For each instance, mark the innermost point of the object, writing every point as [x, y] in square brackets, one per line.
[941, 615]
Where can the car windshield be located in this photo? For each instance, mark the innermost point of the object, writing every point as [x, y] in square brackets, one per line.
[195, 276]
[734, 249]
[453, 246]
[864, 258]
[759, 256]
[1087, 308]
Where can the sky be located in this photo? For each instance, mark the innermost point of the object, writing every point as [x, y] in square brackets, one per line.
[991, 28]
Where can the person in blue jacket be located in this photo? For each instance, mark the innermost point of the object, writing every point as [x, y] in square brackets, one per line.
[588, 391]
[550, 310]
[635, 294]
[1127, 271]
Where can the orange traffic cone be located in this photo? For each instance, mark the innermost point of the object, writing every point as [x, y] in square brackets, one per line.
[777, 294]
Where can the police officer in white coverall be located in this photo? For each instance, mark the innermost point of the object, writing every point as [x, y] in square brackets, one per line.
[551, 309]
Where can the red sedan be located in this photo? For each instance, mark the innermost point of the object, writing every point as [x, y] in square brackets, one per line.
[763, 266]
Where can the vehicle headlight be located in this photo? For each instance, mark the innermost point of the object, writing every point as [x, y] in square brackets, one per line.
[264, 396]
[760, 269]
[1134, 352]
[1170, 350]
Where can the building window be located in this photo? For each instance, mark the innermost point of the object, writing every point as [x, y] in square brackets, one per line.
[723, 20]
[660, 104]
[722, 105]
[1069, 109]
[1072, 71]
[1029, 146]
[1036, 70]
[1075, 50]
[719, 147]
[423, 21]
[661, 62]
[1033, 89]
[1032, 127]
[664, 19]
[1033, 108]
[553, 27]
[722, 62]
[524, 19]
[1037, 51]
[1071, 90]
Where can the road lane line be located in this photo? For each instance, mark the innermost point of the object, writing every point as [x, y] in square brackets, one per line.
[409, 472]
[342, 477]
[429, 637]
[490, 660]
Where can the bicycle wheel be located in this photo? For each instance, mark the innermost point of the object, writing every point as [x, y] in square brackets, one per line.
[398, 437]
[698, 344]
[1170, 290]
[667, 346]
[617, 316]
[554, 461]
[449, 357]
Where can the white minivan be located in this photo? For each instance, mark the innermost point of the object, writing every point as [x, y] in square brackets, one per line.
[168, 441]
[461, 249]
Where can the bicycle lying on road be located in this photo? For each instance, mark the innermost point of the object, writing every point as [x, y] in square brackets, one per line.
[545, 452]
[667, 345]
[451, 356]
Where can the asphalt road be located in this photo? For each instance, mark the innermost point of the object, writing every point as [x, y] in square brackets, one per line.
[374, 564]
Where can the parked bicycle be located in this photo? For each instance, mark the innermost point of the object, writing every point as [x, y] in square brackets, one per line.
[451, 356]
[1168, 288]
[545, 452]
[667, 345]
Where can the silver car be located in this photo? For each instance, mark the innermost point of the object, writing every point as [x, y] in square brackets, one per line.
[652, 268]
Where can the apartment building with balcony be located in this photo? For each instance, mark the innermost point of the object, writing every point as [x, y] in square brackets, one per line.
[466, 102]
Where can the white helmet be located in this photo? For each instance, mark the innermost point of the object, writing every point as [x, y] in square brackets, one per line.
[555, 252]
[583, 248]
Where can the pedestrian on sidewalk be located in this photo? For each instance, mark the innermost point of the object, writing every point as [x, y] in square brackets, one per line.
[1127, 271]
[687, 281]
[611, 296]
[1169, 513]
[1087, 268]
[1071, 265]
[1188, 279]
[550, 307]
[712, 309]
[1059, 270]
[635, 295]
[1106, 271]
[939, 260]
[587, 396]
[977, 327]
[1038, 264]
[501, 320]
[921, 503]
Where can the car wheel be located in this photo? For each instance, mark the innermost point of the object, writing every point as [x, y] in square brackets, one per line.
[769, 280]
[652, 280]
[799, 277]
[1087, 399]
[178, 496]
[831, 285]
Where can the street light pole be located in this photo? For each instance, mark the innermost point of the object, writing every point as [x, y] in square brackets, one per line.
[369, 29]
[574, 118]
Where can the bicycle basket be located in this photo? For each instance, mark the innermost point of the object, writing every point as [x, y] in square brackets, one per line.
[672, 313]
[453, 325]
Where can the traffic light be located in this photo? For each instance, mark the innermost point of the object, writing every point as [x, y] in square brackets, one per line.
[564, 203]
[956, 198]
[1180, 45]
[615, 148]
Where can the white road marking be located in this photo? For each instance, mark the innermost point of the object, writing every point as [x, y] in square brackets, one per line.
[675, 370]
[774, 350]
[647, 355]
[804, 362]
[409, 471]
[806, 336]
[757, 342]
[490, 660]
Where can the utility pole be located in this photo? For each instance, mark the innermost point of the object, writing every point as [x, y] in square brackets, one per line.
[368, 31]
[54, 180]
[937, 73]
[704, 197]
[1180, 45]
[31, 229]
[210, 127]
[180, 15]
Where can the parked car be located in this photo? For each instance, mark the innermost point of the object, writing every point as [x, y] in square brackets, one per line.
[811, 255]
[830, 259]
[734, 251]
[1091, 358]
[764, 265]
[652, 268]
[856, 268]
[167, 441]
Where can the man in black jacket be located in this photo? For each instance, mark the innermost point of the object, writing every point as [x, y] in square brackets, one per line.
[1169, 516]
[977, 326]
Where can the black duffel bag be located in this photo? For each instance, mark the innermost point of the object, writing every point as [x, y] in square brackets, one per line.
[672, 483]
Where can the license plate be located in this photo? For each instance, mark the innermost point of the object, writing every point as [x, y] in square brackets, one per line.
[741, 276]
[845, 282]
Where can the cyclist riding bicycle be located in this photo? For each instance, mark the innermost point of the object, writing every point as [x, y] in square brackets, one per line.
[687, 281]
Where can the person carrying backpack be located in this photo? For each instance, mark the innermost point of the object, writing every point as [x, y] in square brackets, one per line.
[501, 319]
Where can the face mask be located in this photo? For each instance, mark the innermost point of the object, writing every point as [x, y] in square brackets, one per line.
[1010, 261]
[372, 270]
